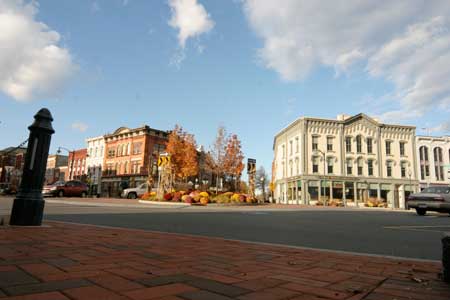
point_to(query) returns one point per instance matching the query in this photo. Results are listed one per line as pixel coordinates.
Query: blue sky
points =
(251, 66)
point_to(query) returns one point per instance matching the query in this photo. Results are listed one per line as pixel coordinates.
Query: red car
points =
(73, 188)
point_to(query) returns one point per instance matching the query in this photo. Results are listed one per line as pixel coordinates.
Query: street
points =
(390, 233)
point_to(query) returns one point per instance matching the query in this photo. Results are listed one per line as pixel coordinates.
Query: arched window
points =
(438, 163)
(125, 168)
(358, 144)
(424, 162)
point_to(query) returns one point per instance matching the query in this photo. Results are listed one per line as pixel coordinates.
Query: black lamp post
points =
(28, 207)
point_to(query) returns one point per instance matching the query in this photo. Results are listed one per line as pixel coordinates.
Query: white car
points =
(133, 193)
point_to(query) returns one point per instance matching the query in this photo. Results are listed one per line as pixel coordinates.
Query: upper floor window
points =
(370, 167)
(296, 145)
(290, 148)
(315, 142)
(291, 169)
(389, 168)
(348, 144)
(358, 144)
(297, 166)
(424, 162)
(315, 166)
(438, 164)
(403, 169)
(349, 166)
(329, 143)
(360, 166)
(283, 151)
(369, 145)
(388, 147)
(137, 148)
(159, 148)
(330, 165)
(402, 148)
(111, 152)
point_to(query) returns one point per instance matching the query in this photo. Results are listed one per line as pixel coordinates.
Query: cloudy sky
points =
(250, 65)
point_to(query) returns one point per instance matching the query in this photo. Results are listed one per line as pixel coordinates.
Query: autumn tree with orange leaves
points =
(182, 149)
(233, 161)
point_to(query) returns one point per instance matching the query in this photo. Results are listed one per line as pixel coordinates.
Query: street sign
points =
(251, 165)
(163, 160)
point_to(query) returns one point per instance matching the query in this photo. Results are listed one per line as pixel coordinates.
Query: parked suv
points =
(73, 188)
(133, 193)
(433, 198)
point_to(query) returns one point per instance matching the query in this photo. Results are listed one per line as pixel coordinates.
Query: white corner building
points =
(350, 160)
(94, 161)
(433, 161)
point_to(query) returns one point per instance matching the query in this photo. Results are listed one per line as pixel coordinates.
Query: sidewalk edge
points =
(259, 243)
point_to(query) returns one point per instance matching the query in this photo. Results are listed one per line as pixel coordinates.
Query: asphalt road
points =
(375, 232)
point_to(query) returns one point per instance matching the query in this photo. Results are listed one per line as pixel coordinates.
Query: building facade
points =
(94, 162)
(12, 160)
(77, 165)
(53, 171)
(433, 160)
(130, 154)
(348, 160)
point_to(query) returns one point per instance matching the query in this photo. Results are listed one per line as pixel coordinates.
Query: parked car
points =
(73, 188)
(133, 193)
(433, 198)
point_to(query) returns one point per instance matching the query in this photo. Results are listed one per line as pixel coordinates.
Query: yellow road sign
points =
(163, 160)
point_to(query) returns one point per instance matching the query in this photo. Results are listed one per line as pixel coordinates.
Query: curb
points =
(178, 204)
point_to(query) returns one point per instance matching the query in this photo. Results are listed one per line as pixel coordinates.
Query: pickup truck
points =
(133, 193)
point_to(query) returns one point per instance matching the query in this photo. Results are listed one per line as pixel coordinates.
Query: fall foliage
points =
(234, 157)
(182, 150)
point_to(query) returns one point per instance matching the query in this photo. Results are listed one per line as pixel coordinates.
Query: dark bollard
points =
(28, 207)
(446, 257)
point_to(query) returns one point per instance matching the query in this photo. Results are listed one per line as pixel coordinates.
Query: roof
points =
(345, 122)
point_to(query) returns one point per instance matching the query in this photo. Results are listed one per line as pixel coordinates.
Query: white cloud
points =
(443, 128)
(32, 65)
(79, 126)
(190, 19)
(405, 42)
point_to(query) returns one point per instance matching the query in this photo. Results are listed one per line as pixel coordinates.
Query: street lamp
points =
(324, 173)
(72, 161)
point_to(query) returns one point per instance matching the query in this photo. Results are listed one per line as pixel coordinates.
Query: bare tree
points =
(217, 154)
(262, 180)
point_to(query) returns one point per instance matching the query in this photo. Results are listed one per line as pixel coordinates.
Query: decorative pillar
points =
(378, 191)
(28, 207)
(355, 194)
(331, 191)
(320, 189)
(344, 199)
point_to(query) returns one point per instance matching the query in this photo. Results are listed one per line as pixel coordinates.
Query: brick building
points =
(12, 160)
(128, 155)
(53, 171)
(77, 165)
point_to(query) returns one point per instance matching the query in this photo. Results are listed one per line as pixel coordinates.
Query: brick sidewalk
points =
(65, 261)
